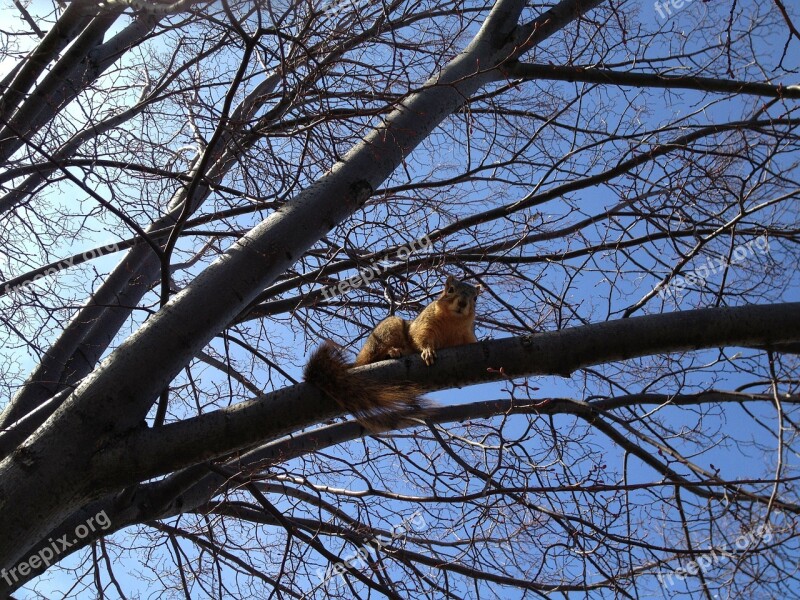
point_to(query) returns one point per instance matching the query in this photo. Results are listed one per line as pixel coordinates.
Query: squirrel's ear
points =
(450, 281)
(478, 289)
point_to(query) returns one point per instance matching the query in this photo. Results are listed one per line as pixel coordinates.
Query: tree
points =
(623, 184)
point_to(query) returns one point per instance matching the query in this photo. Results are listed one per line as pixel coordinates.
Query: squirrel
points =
(447, 321)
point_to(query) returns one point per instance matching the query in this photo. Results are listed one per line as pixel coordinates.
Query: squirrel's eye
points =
(451, 290)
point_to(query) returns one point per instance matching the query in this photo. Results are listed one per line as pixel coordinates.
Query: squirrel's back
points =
(389, 339)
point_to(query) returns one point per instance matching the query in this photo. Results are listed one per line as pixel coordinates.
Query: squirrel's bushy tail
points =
(377, 406)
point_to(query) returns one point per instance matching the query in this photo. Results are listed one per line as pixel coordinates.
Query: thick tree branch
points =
(152, 452)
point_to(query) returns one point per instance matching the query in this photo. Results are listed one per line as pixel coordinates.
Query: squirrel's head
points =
(459, 297)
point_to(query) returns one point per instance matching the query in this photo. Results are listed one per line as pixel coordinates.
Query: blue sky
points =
(592, 290)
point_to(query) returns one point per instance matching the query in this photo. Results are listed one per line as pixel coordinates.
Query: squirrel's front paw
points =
(394, 353)
(429, 356)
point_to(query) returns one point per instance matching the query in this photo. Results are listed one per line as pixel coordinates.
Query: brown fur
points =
(389, 339)
(447, 321)
(377, 406)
